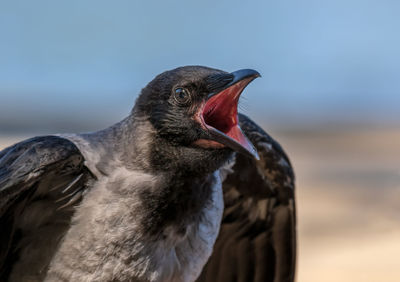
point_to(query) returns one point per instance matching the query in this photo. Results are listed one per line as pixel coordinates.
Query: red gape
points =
(220, 112)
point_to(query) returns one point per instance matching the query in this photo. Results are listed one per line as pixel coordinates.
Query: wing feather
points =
(38, 177)
(257, 240)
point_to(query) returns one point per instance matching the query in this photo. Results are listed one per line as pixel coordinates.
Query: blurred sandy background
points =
(348, 191)
(329, 92)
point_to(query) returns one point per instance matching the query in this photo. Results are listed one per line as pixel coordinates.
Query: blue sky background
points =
(68, 65)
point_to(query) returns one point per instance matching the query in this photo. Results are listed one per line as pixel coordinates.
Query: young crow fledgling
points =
(184, 188)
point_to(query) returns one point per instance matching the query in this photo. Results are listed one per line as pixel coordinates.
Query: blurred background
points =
(330, 93)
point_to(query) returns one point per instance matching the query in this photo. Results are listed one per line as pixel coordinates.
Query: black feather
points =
(257, 240)
(23, 167)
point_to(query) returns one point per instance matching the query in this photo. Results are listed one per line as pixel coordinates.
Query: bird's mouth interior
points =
(220, 117)
(220, 111)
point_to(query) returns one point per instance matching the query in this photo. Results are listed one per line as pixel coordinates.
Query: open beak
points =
(220, 114)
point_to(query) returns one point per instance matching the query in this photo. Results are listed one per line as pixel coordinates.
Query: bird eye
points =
(182, 96)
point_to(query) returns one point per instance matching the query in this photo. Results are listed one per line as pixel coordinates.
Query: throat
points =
(179, 203)
(197, 159)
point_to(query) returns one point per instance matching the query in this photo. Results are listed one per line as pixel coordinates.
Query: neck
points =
(185, 176)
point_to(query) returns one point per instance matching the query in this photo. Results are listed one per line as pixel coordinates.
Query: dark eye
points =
(182, 96)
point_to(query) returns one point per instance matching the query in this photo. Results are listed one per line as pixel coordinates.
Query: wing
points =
(257, 239)
(40, 181)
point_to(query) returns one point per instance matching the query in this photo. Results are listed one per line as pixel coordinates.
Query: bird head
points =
(195, 108)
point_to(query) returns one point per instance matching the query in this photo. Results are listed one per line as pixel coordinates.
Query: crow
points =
(183, 189)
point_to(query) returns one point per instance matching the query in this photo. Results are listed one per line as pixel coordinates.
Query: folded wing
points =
(41, 179)
(257, 240)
